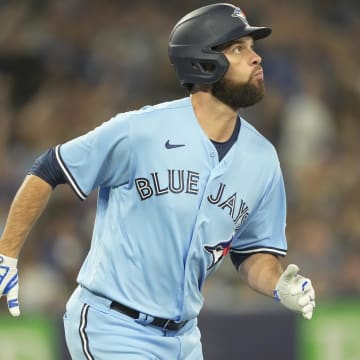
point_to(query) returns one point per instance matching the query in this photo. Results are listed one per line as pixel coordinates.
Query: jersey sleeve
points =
(264, 230)
(98, 158)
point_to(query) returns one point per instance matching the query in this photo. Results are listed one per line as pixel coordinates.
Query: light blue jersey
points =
(168, 211)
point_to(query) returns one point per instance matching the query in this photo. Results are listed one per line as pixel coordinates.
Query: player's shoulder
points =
(177, 104)
(153, 115)
(157, 110)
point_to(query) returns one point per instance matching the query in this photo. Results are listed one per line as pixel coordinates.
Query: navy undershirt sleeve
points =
(47, 168)
(238, 259)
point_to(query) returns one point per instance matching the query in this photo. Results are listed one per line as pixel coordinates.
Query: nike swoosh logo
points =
(172, 146)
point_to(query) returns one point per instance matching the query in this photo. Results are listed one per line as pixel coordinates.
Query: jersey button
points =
(212, 154)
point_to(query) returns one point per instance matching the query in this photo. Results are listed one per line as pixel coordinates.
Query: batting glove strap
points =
(9, 283)
(295, 292)
(276, 295)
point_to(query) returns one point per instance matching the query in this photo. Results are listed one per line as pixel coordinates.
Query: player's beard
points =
(238, 95)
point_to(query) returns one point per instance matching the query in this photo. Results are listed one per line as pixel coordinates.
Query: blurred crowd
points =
(67, 66)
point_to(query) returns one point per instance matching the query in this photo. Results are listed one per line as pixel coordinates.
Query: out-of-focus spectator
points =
(307, 132)
(5, 116)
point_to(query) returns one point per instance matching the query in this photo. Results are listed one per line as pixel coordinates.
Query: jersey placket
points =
(193, 246)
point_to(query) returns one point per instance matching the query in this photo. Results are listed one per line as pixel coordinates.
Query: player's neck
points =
(215, 118)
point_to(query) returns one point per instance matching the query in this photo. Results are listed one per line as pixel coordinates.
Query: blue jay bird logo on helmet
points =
(238, 13)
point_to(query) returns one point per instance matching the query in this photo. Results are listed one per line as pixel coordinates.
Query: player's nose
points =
(255, 58)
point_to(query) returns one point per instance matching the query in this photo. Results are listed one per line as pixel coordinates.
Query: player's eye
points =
(237, 49)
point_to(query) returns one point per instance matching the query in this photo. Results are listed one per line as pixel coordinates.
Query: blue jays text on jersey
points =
(238, 210)
(168, 214)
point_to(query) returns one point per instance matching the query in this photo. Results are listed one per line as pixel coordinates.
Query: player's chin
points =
(259, 84)
(256, 81)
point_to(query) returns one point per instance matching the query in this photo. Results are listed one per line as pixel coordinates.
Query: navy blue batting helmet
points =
(194, 37)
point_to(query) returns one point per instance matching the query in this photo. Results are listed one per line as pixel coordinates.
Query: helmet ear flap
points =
(206, 67)
(202, 69)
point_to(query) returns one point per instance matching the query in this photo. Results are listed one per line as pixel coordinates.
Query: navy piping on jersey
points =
(252, 250)
(70, 180)
(82, 333)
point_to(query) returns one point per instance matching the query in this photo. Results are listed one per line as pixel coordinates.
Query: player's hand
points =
(9, 283)
(295, 292)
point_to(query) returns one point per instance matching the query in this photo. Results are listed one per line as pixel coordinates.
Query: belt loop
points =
(144, 319)
(166, 324)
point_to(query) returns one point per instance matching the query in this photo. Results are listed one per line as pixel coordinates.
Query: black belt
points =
(162, 323)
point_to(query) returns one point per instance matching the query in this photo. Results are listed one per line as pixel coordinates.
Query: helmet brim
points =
(257, 32)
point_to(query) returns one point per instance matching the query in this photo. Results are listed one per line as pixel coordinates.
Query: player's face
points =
(243, 83)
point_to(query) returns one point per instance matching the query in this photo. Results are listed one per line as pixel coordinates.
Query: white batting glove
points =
(9, 283)
(295, 292)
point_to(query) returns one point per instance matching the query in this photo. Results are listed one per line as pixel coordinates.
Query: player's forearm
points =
(261, 272)
(27, 206)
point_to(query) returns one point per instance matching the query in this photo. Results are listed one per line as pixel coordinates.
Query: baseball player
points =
(180, 185)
